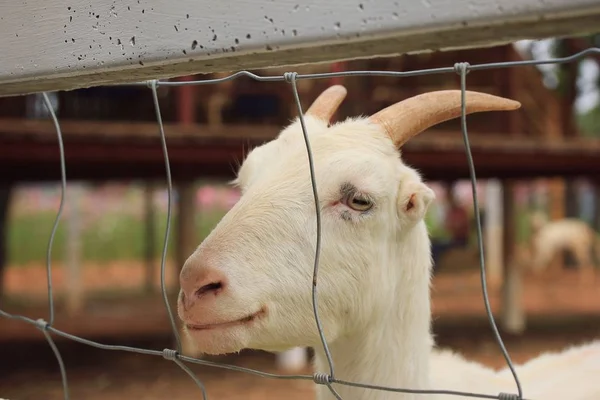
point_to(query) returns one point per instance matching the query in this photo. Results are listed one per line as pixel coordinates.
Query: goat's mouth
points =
(222, 325)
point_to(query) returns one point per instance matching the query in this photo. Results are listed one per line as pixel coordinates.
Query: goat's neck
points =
(393, 348)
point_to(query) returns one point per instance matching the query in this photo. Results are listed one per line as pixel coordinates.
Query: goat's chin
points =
(219, 341)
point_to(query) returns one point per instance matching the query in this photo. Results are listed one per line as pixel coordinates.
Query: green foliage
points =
(589, 122)
(117, 236)
(28, 237)
(523, 227)
(435, 226)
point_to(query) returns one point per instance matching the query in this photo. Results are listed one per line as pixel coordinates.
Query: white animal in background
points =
(248, 284)
(549, 238)
(292, 360)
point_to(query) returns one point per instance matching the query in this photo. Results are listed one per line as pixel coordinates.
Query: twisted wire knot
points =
(321, 378)
(508, 396)
(41, 324)
(152, 84)
(169, 354)
(461, 67)
(289, 77)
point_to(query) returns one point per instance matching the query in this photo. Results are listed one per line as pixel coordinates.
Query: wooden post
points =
(556, 208)
(513, 316)
(596, 220)
(556, 203)
(186, 242)
(74, 303)
(186, 102)
(186, 239)
(510, 89)
(552, 120)
(186, 228)
(571, 211)
(150, 237)
(5, 197)
(493, 232)
(512, 311)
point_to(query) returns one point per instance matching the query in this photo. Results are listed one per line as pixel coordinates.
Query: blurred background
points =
(540, 160)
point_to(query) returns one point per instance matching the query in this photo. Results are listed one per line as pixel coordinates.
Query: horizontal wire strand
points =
(345, 74)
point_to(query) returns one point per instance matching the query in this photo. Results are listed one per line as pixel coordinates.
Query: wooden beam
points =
(141, 131)
(125, 160)
(146, 133)
(63, 45)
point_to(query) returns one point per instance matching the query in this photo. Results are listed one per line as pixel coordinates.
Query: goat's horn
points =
(327, 103)
(411, 116)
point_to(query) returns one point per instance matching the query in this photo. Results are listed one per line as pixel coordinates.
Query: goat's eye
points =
(357, 202)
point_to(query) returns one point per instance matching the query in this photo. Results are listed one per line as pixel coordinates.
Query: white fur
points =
(374, 276)
(567, 374)
(551, 237)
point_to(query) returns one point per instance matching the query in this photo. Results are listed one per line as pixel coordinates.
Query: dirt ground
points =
(29, 370)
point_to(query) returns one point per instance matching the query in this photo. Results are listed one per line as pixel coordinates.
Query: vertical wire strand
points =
(291, 78)
(163, 288)
(61, 364)
(63, 189)
(463, 69)
(333, 391)
(193, 376)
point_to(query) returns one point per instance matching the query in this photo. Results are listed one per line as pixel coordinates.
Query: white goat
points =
(551, 237)
(248, 284)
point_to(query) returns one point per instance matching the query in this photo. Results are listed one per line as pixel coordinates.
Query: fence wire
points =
(320, 378)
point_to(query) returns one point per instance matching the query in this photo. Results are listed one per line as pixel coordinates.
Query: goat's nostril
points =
(211, 287)
(198, 281)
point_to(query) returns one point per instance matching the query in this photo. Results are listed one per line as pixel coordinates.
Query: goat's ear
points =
(414, 200)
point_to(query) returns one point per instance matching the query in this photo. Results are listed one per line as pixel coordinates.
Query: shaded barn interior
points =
(111, 132)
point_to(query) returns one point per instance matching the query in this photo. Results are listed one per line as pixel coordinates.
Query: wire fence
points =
(320, 378)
